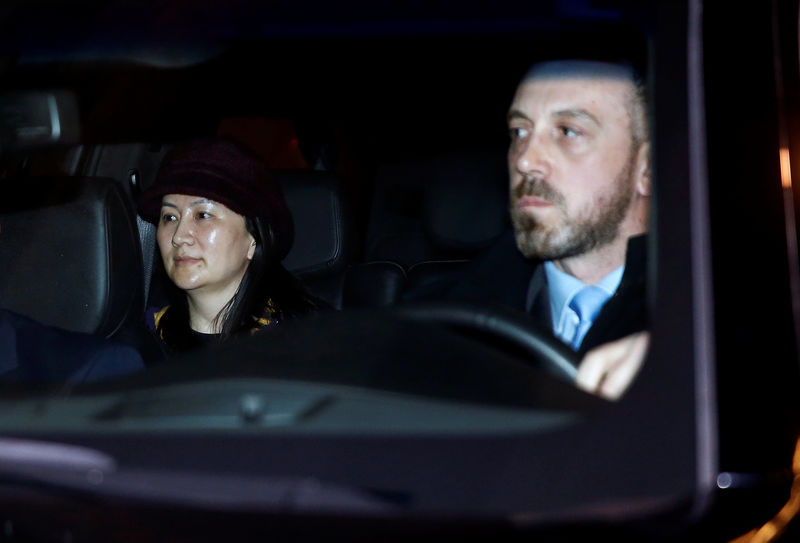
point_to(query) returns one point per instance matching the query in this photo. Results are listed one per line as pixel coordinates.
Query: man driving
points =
(580, 187)
(579, 173)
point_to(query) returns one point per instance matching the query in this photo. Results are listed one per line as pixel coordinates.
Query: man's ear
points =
(642, 170)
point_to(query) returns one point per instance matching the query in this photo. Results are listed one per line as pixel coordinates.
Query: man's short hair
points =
(637, 101)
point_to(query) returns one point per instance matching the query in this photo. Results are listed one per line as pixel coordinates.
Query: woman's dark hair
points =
(265, 282)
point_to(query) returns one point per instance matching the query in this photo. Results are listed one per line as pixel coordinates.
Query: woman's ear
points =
(251, 250)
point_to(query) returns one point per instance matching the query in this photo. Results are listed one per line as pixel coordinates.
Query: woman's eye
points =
(203, 215)
(517, 133)
(167, 217)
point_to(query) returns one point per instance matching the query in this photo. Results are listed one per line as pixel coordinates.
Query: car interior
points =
(368, 233)
(106, 268)
(390, 142)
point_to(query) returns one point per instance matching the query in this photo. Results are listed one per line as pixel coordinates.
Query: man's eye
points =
(569, 132)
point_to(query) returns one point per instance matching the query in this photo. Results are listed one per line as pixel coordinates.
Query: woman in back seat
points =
(223, 228)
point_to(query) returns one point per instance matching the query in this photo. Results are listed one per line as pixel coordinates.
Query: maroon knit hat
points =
(223, 171)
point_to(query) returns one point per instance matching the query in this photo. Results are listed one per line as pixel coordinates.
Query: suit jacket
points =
(503, 276)
(35, 353)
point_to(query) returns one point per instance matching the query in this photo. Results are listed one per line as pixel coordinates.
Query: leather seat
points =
(373, 284)
(441, 208)
(324, 231)
(465, 209)
(75, 262)
(326, 243)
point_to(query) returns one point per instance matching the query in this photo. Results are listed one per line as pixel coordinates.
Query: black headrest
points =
(74, 255)
(323, 227)
(466, 203)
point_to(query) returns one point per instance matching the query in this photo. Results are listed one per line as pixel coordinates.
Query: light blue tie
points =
(587, 304)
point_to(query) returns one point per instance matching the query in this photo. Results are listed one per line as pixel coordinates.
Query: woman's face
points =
(204, 245)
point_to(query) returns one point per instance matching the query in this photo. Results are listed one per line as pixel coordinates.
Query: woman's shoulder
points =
(153, 316)
(270, 316)
(273, 314)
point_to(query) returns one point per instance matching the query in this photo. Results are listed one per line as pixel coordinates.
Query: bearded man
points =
(579, 170)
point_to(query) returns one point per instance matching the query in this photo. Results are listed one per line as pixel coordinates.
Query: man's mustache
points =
(538, 188)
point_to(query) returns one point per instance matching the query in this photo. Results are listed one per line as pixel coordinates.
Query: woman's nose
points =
(184, 233)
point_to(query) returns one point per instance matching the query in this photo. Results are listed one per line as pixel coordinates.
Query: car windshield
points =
(405, 127)
(429, 192)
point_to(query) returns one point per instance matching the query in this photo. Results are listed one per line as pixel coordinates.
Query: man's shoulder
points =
(45, 353)
(108, 359)
(626, 312)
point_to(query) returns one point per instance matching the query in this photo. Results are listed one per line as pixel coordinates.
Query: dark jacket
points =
(32, 352)
(503, 276)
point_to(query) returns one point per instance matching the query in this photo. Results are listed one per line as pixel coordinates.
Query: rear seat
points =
(433, 216)
(373, 284)
(326, 245)
(466, 209)
(325, 233)
(429, 218)
(85, 278)
(442, 208)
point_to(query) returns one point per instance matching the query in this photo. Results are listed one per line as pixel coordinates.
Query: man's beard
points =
(571, 237)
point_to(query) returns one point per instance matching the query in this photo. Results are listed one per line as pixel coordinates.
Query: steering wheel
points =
(508, 325)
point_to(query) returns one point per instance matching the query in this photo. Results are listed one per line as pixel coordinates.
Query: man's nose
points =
(533, 157)
(184, 233)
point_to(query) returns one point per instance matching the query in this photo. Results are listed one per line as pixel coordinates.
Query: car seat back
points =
(373, 284)
(464, 210)
(324, 231)
(445, 207)
(72, 255)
